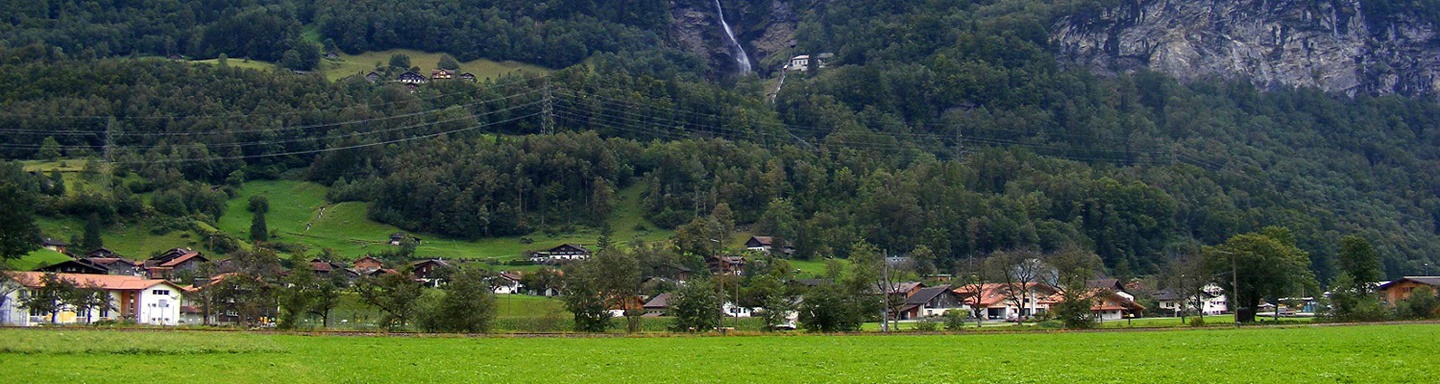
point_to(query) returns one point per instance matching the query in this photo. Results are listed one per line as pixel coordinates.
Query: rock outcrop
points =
(1330, 45)
(763, 32)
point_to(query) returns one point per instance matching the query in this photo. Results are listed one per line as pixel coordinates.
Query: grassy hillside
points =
(300, 214)
(38, 258)
(360, 64)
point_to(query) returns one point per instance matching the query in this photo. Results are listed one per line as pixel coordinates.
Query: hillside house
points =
(766, 244)
(442, 74)
(672, 272)
(803, 63)
(1398, 290)
(726, 265)
(398, 238)
(658, 305)
(145, 301)
(932, 301)
(506, 283)
(54, 245)
(372, 77)
(170, 264)
(367, 264)
(81, 266)
(467, 76)
(411, 78)
(560, 254)
(430, 271)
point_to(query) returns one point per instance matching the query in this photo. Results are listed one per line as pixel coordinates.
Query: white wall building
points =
(144, 301)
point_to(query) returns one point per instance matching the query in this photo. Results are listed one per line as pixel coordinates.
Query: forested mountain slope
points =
(951, 125)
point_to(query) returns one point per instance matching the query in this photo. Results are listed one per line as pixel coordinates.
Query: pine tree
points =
(93, 239)
(258, 231)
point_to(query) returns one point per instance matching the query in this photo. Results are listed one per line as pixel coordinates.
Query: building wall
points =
(1400, 291)
(158, 305)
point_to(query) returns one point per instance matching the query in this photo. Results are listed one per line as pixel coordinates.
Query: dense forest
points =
(949, 125)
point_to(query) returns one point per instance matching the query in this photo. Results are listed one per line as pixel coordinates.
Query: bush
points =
(955, 320)
(927, 325)
(1197, 321)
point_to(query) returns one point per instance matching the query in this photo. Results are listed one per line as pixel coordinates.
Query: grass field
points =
(363, 63)
(296, 214)
(1380, 353)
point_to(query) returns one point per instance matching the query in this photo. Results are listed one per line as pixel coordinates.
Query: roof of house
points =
(568, 245)
(903, 287)
(660, 301)
(74, 263)
(763, 240)
(182, 259)
(1105, 283)
(101, 252)
(108, 282)
(371, 258)
(512, 276)
(49, 242)
(1427, 280)
(996, 293)
(926, 294)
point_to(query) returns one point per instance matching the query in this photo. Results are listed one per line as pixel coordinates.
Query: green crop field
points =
(349, 65)
(1377, 353)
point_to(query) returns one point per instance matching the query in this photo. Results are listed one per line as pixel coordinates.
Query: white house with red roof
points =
(142, 300)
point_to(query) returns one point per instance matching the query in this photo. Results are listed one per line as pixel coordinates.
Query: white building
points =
(144, 301)
(1213, 302)
(506, 283)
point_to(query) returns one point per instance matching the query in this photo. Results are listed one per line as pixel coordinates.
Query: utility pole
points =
(547, 112)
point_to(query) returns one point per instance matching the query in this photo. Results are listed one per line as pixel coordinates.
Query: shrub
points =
(1197, 321)
(927, 325)
(955, 320)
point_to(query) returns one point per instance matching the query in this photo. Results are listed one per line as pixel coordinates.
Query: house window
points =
(161, 292)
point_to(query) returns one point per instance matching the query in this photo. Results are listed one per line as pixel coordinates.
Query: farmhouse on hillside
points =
(411, 78)
(506, 283)
(367, 264)
(560, 254)
(54, 245)
(145, 301)
(167, 265)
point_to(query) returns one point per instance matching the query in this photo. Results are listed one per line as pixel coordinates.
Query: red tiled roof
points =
(182, 259)
(109, 282)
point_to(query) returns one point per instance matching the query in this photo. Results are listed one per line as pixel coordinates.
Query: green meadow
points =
(1344, 354)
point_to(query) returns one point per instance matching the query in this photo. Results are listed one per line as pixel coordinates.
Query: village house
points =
(1393, 292)
(1008, 302)
(82, 266)
(932, 301)
(803, 63)
(411, 78)
(726, 265)
(1108, 304)
(766, 244)
(372, 77)
(430, 271)
(367, 264)
(506, 283)
(398, 238)
(467, 76)
(145, 301)
(560, 254)
(1212, 301)
(442, 74)
(54, 245)
(658, 305)
(170, 264)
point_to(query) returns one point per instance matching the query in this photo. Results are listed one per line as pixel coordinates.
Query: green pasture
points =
(360, 64)
(1376, 353)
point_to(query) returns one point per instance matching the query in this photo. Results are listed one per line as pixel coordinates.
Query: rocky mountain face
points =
(763, 30)
(1332, 45)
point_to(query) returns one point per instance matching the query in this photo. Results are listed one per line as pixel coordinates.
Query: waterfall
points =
(740, 57)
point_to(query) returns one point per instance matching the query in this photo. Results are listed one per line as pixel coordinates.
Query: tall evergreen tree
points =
(18, 233)
(258, 229)
(94, 238)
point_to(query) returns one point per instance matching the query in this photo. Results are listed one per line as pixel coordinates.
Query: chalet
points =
(119, 265)
(1009, 301)
(442, 74)
(54, 245)
(1393, 292)
(799, 63)
(506, 283)
(767, 245)
(903, 289)
(671, 272)
(658, 305)
(467, 76)
(144, 301)
(367, 264)
(733, 311)
(1110, 284)
(328, 269)
(1111, 305)
(372, 77)
(430, 271)
(166, 265)
(726, 265)
(332, 56)
(1212, 301)
(626, 304)
(559, 254)
(932, 301)
(398, 238)
(102, 252)
(76, 266)
(411, 78)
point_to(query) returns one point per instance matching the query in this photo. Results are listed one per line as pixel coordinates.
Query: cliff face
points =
(1276, 43)
(763, 32)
